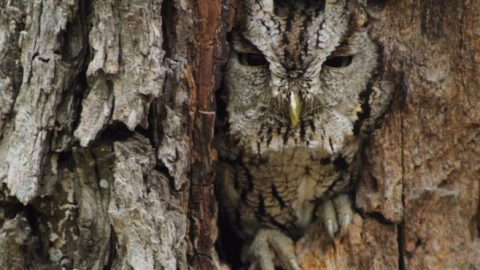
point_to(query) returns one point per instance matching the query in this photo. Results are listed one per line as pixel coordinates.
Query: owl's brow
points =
(341, 49)
(242, 44)
(344, 48)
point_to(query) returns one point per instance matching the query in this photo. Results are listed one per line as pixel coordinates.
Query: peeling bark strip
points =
(46, 77)
(126, 72)
(210, 55)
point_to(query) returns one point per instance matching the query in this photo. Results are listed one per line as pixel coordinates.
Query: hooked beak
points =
(295, 108)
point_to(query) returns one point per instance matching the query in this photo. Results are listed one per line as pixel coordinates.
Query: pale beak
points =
(295, 108)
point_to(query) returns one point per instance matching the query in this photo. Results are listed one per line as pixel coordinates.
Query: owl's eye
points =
(252, 59)
(338, 61)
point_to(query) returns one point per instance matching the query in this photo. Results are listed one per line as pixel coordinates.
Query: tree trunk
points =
(107, 113)
(418, 198)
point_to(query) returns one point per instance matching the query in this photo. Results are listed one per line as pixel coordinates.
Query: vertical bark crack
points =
(401, 226)
(401, 245)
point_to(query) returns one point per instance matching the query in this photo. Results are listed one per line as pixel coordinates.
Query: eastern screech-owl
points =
(300, 100)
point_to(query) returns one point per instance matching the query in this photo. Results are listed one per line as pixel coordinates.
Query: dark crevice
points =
(10, 206)
(160, 167)
(113, 250)
(401, 245)
(325, 161)
(478, 219)
(73, 40)
(377, 216)
(229, 244)
(32, 216)
(221, 100)
(340, 163)
(154, 124)
(169, 21)
(146, 132)
(221, 112)
(117, 131)
(66, 161)
(67, 115)
(79, 94)
(152, 133)
(81, 83)
(401, 227)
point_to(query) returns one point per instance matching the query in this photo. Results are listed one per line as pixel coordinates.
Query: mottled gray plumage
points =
(277, 169)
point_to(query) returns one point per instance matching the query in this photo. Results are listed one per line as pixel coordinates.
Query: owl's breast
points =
(281, 189)
(294, 178)
(278, 174)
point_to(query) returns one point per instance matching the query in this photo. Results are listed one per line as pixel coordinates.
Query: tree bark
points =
(418, 198)
(107, 113)
(106, 123)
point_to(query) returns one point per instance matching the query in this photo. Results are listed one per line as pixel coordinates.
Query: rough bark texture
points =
(107, 112)
(418, 198)
(106, 120)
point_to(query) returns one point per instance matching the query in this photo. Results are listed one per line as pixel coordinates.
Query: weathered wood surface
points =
(107, 112)
(106, 121)
(419, 194)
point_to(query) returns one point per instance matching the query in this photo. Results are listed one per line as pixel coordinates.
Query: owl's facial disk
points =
(290, 90)
(297, 67)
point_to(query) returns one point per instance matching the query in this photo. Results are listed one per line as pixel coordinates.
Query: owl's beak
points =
(295, 109)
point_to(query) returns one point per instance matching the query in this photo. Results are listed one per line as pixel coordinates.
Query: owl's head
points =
(298, 67)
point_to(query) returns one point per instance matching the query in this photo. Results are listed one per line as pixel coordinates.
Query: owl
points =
(300, 99)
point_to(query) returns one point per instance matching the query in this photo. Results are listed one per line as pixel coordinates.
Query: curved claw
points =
(270, 246)
(293, 263)
(329, 218)
(343, 206)
(266, 263)
(336, 214)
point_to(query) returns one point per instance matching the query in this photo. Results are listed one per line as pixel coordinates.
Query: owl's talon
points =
(294, 264)
(345, 221)
(336, 214)
(329, 218)
(270, 247)
(330, 229)
(343, 206)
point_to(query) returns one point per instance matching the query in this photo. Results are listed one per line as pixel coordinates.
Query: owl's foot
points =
(336, 214)
(272, 248)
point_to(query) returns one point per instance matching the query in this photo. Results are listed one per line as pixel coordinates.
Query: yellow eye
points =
(252, 59)
(338, 61)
